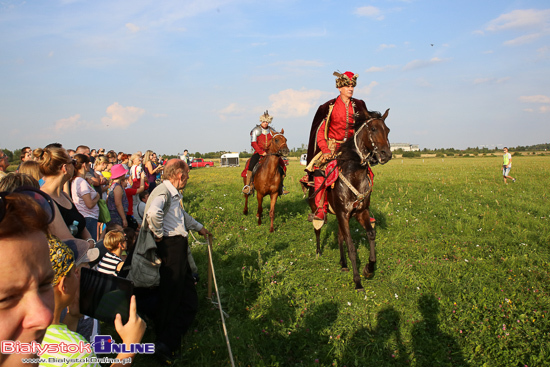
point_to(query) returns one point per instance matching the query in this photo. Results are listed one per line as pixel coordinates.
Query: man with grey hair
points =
(169, 224)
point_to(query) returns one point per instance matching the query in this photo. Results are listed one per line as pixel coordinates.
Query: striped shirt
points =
(109, 263)
(56, 334)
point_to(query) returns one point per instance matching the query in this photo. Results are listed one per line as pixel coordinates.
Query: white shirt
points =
(176, 222)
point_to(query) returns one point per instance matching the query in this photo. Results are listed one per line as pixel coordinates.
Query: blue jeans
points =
(91, 226)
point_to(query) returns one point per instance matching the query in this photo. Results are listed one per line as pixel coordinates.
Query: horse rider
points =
(332, 125)
(260, 137)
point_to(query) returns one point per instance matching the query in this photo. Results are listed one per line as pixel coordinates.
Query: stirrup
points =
(249, 190)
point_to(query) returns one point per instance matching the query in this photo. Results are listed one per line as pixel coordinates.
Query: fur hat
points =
(346, 79)
(266, 117)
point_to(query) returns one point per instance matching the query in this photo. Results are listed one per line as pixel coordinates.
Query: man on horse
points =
(332, 125)
(260, 137)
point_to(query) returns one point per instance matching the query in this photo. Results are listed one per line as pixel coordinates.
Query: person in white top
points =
(507, 165)
(84, 196)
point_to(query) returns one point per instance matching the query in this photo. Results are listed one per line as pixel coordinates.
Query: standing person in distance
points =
(507, 165)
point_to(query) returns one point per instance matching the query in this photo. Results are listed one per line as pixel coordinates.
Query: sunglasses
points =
(43, 199)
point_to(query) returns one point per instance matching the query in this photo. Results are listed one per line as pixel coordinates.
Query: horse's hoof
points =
(345, 269)
(359, 290)
(368, 275)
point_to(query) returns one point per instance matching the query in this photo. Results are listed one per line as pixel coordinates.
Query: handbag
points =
(104, 216)
(144, 271)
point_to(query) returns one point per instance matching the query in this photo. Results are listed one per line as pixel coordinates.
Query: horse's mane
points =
(347, 153)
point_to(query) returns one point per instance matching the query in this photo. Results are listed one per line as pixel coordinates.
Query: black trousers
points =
(178, 301)
(253, 161)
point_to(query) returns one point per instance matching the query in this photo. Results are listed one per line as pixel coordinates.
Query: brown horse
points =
(267, 179)
(350, 196)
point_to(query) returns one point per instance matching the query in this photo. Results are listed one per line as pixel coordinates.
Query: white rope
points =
(209, 245)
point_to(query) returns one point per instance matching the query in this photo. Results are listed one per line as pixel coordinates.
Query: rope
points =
(209, 242)
(217, 304)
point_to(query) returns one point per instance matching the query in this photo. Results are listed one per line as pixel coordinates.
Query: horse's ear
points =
(282, 131)
(385, 114)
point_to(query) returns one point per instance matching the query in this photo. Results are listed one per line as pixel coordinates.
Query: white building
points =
(405, 146)
(229, 160)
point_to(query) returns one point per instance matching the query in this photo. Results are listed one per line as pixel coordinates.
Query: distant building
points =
(405, 146)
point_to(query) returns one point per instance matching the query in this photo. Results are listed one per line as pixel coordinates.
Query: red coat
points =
(261, 143)
(338, 128)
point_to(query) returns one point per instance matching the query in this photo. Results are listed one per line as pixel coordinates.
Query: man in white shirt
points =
(169, 224)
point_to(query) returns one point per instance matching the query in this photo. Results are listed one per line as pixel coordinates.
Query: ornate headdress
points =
(266, 117)
(346, 79)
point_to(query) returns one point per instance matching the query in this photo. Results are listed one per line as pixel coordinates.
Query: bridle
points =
(271, 142)
(374, 152)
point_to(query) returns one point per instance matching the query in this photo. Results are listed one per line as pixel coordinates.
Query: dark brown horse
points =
(350, 196)
(267, 179)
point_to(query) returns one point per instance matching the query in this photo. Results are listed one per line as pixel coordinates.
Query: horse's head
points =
(277, 145)
(371, 137)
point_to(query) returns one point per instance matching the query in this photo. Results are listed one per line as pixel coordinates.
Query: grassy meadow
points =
(462, 276)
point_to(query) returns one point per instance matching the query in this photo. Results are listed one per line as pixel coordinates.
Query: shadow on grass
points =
(431, 346)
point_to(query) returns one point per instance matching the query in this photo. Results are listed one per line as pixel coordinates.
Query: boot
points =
(247, 189)
(320, 199)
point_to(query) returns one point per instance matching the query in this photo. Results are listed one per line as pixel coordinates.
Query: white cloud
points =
(491, 80)
(523, 39)
(417, 64)
(132, 27)
(70, 123)
(544, 109)
(539, 98)
(366, 90)
(298, 63)
(50, 54)
(377, 69)
(295, 103)
(384, 46)
(369, 11)
(121, 117)
(231, 110)
(521, 19)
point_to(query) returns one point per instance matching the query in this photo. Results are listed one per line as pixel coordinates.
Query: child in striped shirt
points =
(111, 262)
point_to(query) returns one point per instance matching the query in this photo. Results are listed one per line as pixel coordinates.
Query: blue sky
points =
(171, 75)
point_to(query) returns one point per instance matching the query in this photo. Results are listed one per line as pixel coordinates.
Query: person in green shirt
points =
(507, 165)
(66, 287)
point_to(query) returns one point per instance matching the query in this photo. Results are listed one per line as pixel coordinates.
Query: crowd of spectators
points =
(55, 194)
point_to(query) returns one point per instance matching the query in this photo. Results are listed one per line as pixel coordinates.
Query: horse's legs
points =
(343, 227)
(260, 209)
(318, 241)
(364, 219)
(343, 260)
(272, 209)
(245, 211)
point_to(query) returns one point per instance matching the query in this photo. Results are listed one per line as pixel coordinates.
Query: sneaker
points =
(513, 180)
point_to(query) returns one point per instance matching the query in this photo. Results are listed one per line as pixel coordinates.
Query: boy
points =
(115, 243)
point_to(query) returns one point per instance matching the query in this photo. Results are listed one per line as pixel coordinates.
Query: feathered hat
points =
(266, 117)
(346, 79)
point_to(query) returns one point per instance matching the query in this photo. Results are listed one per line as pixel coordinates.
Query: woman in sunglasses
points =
(58, 168)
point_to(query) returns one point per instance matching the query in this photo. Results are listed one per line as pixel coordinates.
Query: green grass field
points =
(461, 280)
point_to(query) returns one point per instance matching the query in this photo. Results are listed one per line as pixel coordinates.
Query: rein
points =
(373, 152)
